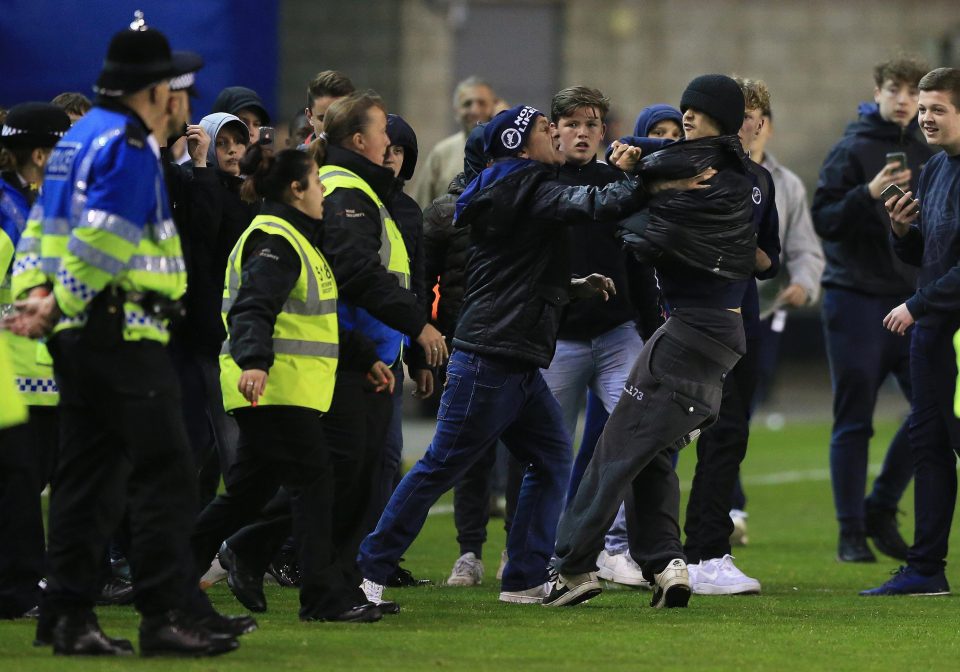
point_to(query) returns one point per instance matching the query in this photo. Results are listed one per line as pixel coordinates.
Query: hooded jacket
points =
(707, 229)
(518, 271)
(855, 228)
(211, 217)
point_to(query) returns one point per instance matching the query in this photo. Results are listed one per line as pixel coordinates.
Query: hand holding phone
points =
(902, 208)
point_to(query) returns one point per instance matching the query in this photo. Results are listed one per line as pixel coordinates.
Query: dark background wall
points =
(51, 46)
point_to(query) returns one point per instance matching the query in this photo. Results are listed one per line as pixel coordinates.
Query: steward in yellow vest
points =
(278, 368)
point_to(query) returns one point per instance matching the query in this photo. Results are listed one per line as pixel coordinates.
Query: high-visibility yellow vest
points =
(305, 336)
(956, 396)
(13, 410)
(393, 251)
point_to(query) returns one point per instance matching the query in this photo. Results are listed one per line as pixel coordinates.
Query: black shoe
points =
(173, 633)
(402, 578)
(285, 570)
(362, 613)
(387, 607)
(230, 626)
(852, 547)
(246, 585)
(115, 591)
(882, 526)
(80, 635)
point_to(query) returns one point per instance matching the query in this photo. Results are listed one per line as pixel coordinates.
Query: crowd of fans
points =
(228, 302)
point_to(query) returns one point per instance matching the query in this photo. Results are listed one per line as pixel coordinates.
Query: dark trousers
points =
(384, 434)
(935, 440)
(212, 433)
(674, 387)
(122, 444)
(284, 445)
(720, 450)
(471, 503)
(28, 455)
(485, 398)
(862, 354)
(353, 430)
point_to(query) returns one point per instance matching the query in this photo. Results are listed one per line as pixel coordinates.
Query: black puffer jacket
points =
(519, 268)
(445, 255)
(710, 229)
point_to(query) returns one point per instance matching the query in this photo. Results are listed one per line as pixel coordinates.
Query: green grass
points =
(809, 616)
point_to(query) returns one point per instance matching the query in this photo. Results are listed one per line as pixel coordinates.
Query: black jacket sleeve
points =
(909, 248)
(269, 273)
(644, 292)
(567, 204)
(436, 241)
(357, 352)
(351, 243)
(205, 200)
(842, 200)
(415, 356)
(768, 235)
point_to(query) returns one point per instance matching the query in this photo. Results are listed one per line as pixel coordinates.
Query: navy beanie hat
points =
(717, 96)
(474, 160)
(653, 115)
(507, 133)
(401, 133)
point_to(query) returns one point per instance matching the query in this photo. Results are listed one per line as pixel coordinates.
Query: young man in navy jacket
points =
(929, 237)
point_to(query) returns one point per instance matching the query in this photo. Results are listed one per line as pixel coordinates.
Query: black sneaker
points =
(230, 626)
(567, 590)
(881, 527)
(245, 583)
(402, 578)
(116, 591)
(285, 570)
(852, 547)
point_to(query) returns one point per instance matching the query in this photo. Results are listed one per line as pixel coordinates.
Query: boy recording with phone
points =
(862, 282)
(928, 236)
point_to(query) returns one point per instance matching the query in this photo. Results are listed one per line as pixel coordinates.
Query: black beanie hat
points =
(233, 99)
(31, 125)
(717, 96)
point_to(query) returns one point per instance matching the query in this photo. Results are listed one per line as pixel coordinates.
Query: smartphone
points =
(266, 135)
(895, 190)
(899, 158)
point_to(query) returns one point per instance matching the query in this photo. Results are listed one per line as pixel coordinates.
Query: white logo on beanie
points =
(511, 138)
(756, 195)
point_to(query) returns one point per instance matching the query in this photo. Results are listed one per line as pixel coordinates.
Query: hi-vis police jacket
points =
(32, 366)
(103, 219)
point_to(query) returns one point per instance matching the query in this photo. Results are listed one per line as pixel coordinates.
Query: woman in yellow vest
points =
(277, 372)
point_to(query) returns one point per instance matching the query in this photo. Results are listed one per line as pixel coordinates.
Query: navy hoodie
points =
(855, 227)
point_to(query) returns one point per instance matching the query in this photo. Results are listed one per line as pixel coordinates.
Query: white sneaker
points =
(620, 568)
(373, 591)
(739, 535)
(533, 595)
(719, 576)
(214, 575)
(467, 571)
(671, 586)
(503, 565)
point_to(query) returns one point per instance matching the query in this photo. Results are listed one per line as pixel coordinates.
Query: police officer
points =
(27, 452)
(109, 263)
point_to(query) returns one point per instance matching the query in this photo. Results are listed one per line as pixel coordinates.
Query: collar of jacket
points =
(308, 226)
(380, 179)
(116, 106)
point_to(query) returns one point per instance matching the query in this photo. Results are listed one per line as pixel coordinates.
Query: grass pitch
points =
(808, 618)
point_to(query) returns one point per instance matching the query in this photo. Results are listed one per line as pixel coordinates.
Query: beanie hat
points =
(32, 125)
(474, 160)
(401, 133)
(717, 96)
(507, 133)
(140, 57)
(233, 99)
(653, 115)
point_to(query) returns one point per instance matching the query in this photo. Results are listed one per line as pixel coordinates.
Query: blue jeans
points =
(934, 434)
(862, 353)
(484, 399)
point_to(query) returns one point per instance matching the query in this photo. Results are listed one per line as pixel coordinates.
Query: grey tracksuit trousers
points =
(675, 387)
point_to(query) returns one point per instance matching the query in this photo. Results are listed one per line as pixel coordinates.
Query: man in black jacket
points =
(704, 248)
(518, 280)
(862, 282)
